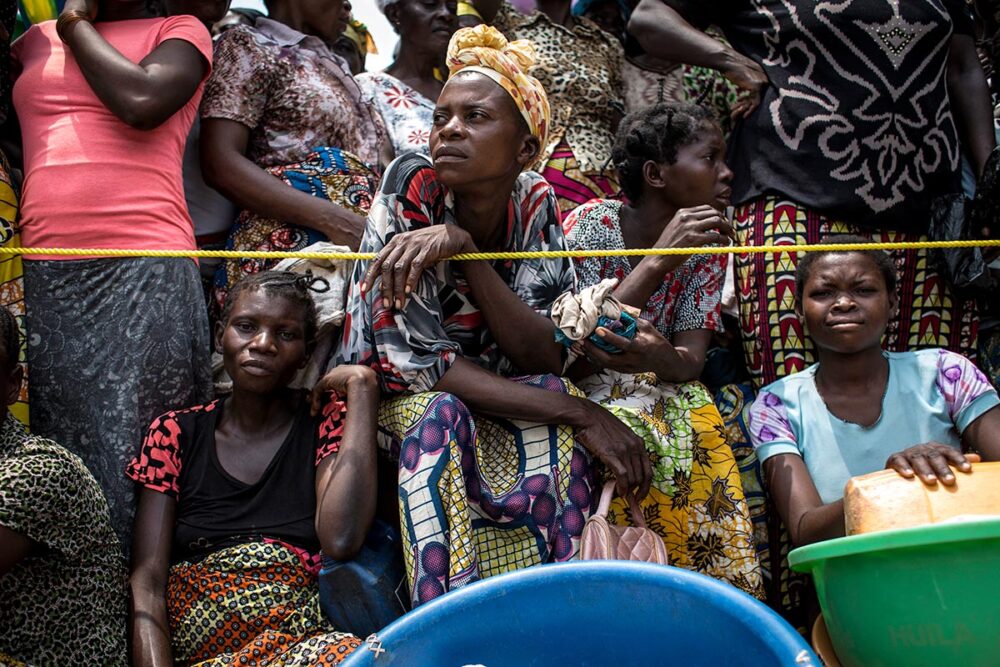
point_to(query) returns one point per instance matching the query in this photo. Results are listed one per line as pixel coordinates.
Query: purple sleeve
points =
(967, 393)
(770, 430)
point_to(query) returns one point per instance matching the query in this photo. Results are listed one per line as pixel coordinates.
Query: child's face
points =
(845, 303)
(700, 175)
(263, 342)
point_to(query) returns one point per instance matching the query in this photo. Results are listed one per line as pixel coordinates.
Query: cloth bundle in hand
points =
(577, 316)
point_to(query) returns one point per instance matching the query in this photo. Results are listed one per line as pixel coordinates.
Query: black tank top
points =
(215, 510)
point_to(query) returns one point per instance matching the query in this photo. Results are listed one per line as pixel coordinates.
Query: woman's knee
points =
(444, 419)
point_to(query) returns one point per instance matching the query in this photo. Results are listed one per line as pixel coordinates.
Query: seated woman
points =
(494, 473)
(62, 598)
(859, 408)
(239, 495)
(669, 159)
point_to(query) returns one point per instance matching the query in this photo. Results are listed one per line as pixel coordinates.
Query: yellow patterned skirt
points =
(479, 496)
(696, 502)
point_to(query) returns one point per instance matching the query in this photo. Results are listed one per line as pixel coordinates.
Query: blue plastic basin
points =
(599, 613)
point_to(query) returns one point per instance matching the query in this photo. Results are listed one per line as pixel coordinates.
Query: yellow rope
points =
(710, 250)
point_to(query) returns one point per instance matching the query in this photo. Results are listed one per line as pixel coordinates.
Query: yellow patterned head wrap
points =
(485, 50)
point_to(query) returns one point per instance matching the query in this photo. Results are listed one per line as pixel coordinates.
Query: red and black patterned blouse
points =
(214, 509)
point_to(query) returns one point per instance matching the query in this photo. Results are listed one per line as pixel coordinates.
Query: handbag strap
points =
(608, 493)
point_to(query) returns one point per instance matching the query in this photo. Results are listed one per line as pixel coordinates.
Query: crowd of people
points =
(188, 446)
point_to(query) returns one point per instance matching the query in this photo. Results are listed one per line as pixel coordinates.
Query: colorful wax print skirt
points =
(773, 337)
(572, 185)
(789, 593)
(251, 604)
(328, 173)
(482, 496)
(696, 502)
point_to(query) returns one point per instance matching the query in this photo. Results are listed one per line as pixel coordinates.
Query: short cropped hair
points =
(879, 257)
(295, 287)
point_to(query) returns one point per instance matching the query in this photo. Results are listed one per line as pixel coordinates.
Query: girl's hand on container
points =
(931, 462)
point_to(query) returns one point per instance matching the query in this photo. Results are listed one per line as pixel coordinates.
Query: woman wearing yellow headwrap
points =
(495, 474)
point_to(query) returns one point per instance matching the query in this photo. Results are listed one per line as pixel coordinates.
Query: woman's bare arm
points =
(227, 169)
(970, 100)
(143, 95)
(798, 503)
(346, 482)
(151, 544)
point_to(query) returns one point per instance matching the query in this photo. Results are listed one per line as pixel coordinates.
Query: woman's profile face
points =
(845, 303)
(699, 175)
(478, 133)
(428, 24)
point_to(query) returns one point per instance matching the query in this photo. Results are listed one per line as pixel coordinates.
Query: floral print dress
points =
(309, 126)
(407, 114)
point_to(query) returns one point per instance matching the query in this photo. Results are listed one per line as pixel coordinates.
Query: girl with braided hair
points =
(669, 159)
(239, 496)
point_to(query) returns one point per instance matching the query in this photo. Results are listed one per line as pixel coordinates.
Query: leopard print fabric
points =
(581, 70)
(65, 603)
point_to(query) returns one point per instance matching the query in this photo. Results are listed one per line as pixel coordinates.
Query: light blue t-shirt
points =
(932, 396)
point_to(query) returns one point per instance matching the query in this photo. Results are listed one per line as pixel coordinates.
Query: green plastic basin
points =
(917, 596)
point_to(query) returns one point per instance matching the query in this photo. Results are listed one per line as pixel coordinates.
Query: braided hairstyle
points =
(11, 339)
(294, 287)
(654, 134)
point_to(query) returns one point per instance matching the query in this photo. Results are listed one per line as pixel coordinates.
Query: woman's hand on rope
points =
(617, 447)
(409, 254)
(931, 462)
(638, 355)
